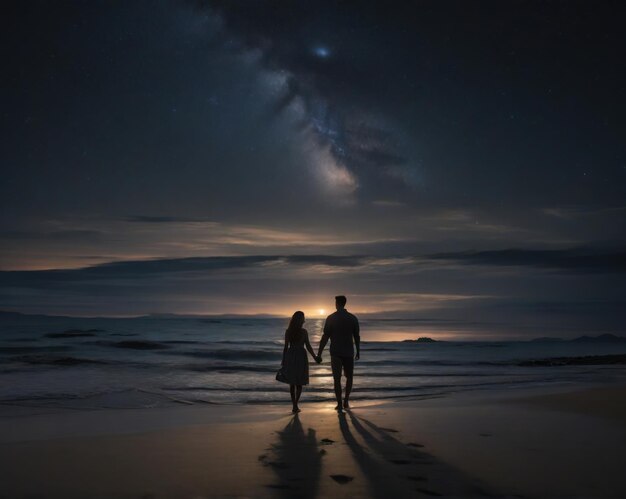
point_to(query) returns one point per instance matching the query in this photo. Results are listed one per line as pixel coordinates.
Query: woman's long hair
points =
(295, 324)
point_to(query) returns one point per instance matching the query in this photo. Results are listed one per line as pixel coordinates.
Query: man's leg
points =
(346, 401)
(335, 363)
(348, 369)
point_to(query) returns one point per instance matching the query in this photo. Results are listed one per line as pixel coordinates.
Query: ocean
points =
(92, 363)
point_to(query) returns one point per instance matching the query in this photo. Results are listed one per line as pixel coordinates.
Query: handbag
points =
(280, 376)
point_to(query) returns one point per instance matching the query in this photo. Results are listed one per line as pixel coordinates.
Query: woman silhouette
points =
(295, 366)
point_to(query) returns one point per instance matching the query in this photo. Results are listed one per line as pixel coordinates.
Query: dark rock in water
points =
(342, 479)
(74, 333)
(588, 360)
(138, 345)
(423, 339)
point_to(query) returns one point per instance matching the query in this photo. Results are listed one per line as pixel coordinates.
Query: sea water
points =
(158, 361)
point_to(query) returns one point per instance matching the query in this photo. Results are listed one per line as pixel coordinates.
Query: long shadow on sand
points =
(396, 469)
(296, 460)
(369, 466)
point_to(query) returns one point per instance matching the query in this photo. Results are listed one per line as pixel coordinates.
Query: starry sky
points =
(441, 160)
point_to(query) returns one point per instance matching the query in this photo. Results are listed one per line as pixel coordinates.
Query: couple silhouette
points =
(342, 329)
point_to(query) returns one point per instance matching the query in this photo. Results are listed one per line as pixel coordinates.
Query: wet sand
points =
(521, 444)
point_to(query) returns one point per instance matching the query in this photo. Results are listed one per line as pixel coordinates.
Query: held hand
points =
(318, 359)
(357, 356)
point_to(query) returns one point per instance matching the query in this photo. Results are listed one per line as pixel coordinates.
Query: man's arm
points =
(323, 342)
(356, 333)
(324, 339)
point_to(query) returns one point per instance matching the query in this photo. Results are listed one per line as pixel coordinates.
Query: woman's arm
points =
(285, 349)
(308, 346)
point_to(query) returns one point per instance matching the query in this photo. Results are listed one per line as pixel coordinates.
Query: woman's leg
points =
(292, 392)
(298, 393)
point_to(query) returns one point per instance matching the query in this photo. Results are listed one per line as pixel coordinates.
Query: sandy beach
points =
(517, 444)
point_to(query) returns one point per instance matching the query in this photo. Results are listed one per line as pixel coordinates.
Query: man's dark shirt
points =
(341, 327)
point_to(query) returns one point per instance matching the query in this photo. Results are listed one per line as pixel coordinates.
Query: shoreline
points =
(60, 421)
(533, 443)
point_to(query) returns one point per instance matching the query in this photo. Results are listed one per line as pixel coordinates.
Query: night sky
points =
(450, 161)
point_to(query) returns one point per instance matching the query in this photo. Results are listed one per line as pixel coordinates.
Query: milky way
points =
(356, 142)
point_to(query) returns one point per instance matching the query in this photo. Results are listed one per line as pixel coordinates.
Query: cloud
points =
(55, 235)
(574, 212)
(451, 286)
(248, 284)
(584, 260)
(188, 267)
(314, 267)
(164, 219)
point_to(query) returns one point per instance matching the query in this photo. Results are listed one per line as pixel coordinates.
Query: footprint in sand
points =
(342, 479)
(327, 441)
(322, 452)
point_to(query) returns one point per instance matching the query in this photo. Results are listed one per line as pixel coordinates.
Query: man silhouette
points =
(341, 328)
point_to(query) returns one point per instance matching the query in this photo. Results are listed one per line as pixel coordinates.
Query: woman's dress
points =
(296, 364)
